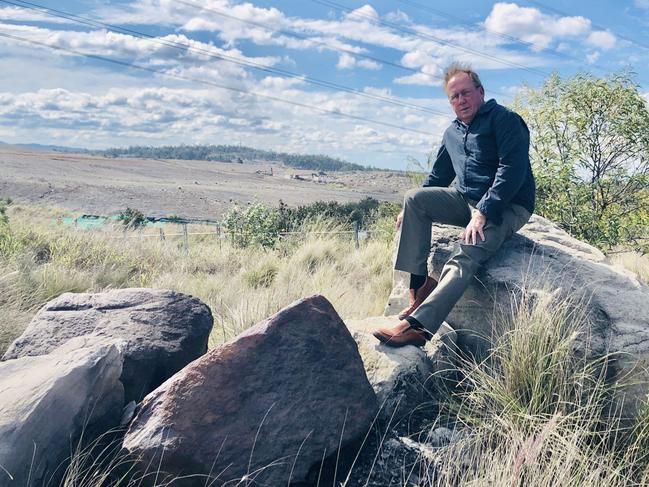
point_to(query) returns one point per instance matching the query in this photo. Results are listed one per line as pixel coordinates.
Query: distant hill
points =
(55, 148)
(234, 153)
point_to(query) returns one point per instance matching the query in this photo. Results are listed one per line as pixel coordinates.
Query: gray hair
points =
(457, 68)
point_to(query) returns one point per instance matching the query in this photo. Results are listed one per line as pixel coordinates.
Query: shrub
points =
(3, 210)
(256, 225)
(132, 218)
(261, 276)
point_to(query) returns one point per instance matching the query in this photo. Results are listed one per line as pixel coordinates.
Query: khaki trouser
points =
(421, 208)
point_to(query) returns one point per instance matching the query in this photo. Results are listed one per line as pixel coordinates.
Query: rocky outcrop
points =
(543, 258)
(267, 406)
(157, 331)
(405, 377)
(48, 401)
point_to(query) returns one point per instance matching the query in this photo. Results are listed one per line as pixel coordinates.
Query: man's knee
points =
(423, 197)
(470, 257)
(411, 196)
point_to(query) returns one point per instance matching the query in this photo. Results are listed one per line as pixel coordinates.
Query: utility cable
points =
(297, 36)
(307, 38)
(214, 84)
(426, 36)
(224, 57)
(557, 11)
(502, 35)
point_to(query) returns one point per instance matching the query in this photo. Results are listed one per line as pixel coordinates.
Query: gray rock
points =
(158, 331)
(404, 377)
(268, 405)
(46, 402)
(543, 257)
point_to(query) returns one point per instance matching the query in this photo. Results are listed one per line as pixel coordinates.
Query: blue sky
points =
(273, 74)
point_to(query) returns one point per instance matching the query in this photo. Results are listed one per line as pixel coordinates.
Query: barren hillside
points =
(192, 189)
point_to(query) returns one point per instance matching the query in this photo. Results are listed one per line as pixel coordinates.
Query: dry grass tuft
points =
(40, 260)
(634, 262)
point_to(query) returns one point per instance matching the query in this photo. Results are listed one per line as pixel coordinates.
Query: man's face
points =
(465, 98)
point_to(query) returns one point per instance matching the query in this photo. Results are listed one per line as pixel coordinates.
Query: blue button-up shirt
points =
(489, 159)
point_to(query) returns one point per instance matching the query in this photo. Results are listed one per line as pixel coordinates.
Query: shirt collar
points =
(484, 108)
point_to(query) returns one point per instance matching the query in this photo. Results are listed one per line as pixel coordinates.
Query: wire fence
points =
(220, 234)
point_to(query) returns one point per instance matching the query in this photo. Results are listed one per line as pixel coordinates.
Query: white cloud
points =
(153, 115)
(418, 79)
(602, 39)
(366, 12)
(16, 14)
(533, 26)
(644, 4)
(397, 17)
(347, 34)
(592, 57)
(172, 53)
(346, 61)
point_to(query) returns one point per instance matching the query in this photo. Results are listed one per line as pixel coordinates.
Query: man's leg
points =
(422, 207)
(459, 270)
(454, 279)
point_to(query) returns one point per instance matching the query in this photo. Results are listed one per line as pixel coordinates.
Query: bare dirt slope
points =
(191, 189)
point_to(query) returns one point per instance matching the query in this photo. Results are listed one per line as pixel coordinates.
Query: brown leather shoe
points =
(401, 335)
(417, 296)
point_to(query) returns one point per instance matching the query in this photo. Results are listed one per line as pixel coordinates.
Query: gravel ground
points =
(191, 189)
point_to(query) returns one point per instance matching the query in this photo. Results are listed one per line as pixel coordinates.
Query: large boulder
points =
(270, 404)
(403, 378)
(46, 404)
(158, 331)
(542, 258)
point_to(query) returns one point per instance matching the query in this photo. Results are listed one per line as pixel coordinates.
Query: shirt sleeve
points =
(513, 144)
(442, 173)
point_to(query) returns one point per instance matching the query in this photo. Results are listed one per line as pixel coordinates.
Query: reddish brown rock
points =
(267, 404)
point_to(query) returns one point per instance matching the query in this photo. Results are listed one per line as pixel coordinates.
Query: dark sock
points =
(414, 323)
(416, 281)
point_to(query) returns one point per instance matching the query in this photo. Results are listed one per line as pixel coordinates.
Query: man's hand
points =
(474, 228)
(397, 223)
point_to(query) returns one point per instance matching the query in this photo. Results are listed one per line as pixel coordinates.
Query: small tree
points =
(258, 224)
(590, 154)
(132, 218)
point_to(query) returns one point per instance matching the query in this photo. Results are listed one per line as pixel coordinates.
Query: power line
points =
(214, 84)
(297, 36)
(223, 57)
(557, 11)
(502, 35)
(424, 35)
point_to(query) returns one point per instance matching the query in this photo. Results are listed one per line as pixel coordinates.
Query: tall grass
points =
(538, 410)
(40, 260)
(634, 262)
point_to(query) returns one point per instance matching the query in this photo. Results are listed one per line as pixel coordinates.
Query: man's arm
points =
(513, 142)
(442, 173)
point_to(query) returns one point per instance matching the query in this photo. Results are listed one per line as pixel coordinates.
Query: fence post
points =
(185, 239)
(218, 234)
(356, 234)
(162, 235)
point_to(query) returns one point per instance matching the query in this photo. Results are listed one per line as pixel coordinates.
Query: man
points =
(486, 151)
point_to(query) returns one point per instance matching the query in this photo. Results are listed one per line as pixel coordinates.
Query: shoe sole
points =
(387, 340)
